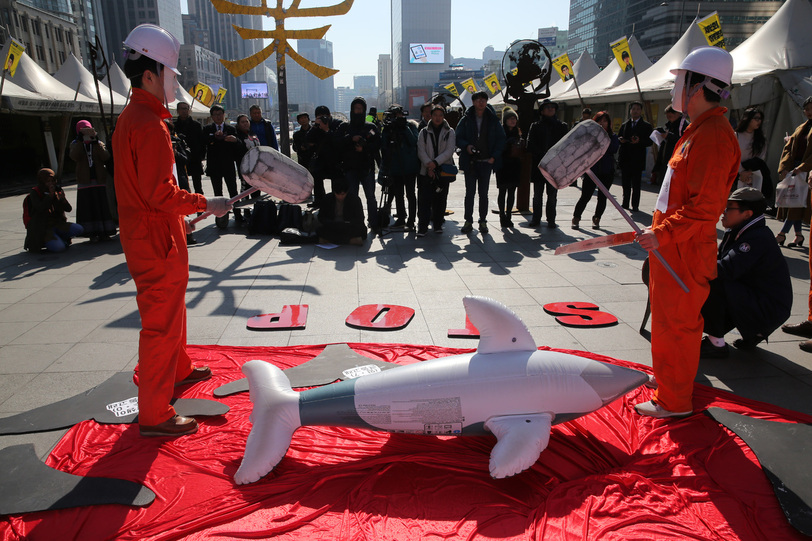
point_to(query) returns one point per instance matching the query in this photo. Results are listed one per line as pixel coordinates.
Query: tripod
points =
(384, 207)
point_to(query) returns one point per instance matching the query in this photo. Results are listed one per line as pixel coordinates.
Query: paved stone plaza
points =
(68, 322)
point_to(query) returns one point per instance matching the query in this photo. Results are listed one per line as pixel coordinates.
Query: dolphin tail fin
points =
(274, 420)
(520, 441)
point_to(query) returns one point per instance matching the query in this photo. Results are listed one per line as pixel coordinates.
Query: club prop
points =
(573, 156)
(267, 169)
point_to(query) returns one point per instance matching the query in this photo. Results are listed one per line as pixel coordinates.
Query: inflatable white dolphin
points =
(507, 388)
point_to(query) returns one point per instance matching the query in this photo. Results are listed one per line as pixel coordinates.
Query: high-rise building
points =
(46, 28)
(344, 96)
(555, 40)
(364, 86)
(385, 97)
(215, 31)
(122, 16)
(657, 25)
(305, 89)
(89, 20)
(199, 65)
(421, 47)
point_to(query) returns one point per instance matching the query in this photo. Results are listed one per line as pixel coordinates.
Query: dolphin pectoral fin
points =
(520, 441)
(274, 419)
(500, 330)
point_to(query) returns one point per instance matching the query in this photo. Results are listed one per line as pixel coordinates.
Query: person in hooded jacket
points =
(361, 145)
(543, 134)
(400, 165)
(436, 144)
(92, 209)
(481, 138)
(327, 139)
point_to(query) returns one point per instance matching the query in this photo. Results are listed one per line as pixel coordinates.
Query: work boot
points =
(799, 329)
(483, 226)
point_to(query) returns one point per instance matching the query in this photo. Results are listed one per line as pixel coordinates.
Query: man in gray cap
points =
(752, 291)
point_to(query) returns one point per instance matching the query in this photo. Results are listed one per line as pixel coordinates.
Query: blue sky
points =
(361, 35)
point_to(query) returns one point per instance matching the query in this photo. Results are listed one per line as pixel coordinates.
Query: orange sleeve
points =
(711, 166)
(155, 179)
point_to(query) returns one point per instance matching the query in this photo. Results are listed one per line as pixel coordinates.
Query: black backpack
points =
(263, 219)
(289, 216)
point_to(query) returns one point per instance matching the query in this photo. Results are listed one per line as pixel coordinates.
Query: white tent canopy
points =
(657, 81)
(584, 69)
(783, 43)
(73, 74)
(611, 76)
(56, 96)
(116, 78)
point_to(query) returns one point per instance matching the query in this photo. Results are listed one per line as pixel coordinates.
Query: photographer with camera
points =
(481, 138)
(363, 143)
(436, 144)
(92, 210)
(44, 216)
(399, 163)
(327, 137)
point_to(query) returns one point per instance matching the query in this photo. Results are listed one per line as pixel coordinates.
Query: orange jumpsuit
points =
(151, 211)
(703, 167)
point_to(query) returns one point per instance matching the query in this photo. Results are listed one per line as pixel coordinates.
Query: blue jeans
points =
(61, 239)
(356, 179)
(477, 178)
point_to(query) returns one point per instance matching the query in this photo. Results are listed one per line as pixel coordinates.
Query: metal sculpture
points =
(280, 37)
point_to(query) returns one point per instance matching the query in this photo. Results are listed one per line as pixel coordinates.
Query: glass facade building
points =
(417, 22)
(657, 25)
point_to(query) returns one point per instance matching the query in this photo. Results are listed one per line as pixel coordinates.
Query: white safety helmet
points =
(156, 43)
(713, 63)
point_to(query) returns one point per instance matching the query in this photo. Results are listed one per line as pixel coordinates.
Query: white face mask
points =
(678, 99)
(170, 80)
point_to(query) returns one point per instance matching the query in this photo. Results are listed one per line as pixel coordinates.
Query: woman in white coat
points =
(436, 144)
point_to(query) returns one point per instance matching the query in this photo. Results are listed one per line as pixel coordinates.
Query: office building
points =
(121, 16)
(305, 89)
(344, 96)
(385, 96)
(421, 48)
(554, 40)
(364, 86)
(90, 23)
(657, 25)
(47, 29)
(215, 31)
(199, 65)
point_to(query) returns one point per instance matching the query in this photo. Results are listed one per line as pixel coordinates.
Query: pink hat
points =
(82, 124)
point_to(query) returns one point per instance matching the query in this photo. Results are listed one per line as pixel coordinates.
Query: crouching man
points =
(752, 291)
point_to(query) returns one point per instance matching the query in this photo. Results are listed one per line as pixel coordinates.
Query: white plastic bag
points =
(792, 192)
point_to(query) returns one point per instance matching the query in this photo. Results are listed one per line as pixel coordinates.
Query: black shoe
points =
(552, 225)
(635, 209)
(625, 207)
(708, 351)
(799, 329)
(806, 346)
(533, 224)
(748, 344)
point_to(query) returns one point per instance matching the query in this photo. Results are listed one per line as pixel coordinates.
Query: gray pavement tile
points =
(29, 359)
(257, 338)
(787, 393)
(14, 330)
(12, 295)
(559, 293)
(23, 311)
(88, 309)
(56, 294)
(510, 297)
(96, 356)
(617, 337)
(12, 382)
(47, 388)
(350, 335)
(206, 329)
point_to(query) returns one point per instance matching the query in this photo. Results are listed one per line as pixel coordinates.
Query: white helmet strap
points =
(710, 85)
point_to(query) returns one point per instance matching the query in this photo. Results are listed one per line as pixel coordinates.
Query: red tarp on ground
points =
(611, 475)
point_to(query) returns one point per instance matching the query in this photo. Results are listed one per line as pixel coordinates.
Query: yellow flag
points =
(712, 29)
(202, 93)
(563, 67)
(221, 95)
(451, 87)
(623, 54)
(15, 52)
(469, 85)
(492, 82)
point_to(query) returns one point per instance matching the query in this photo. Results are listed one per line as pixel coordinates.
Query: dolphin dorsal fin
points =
(499, 328)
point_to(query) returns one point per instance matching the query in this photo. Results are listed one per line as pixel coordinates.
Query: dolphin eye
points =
(528, 421)
(514, 339)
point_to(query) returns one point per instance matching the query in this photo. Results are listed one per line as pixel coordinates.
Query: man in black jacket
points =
(304, 150)
(328, 137)
(361, 147)
(544, 133)
(221, 140)
(191, 129)
(752, 291)
(635, 138)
